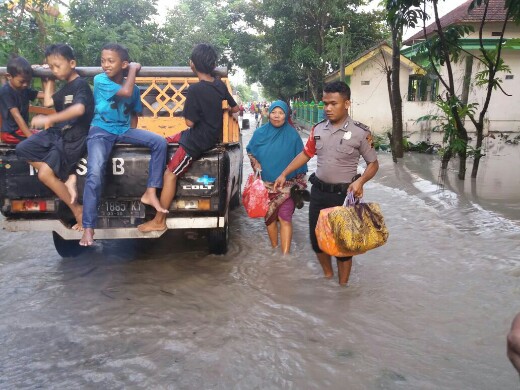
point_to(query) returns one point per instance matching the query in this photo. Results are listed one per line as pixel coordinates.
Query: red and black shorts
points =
(16, 137)
(180, 161)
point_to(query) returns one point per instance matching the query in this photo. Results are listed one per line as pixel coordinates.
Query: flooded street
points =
(429, 310)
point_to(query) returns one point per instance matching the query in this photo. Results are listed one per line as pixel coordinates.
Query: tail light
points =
(32, 205)
(197, 204)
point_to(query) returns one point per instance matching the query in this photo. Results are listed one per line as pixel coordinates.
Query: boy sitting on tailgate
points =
(15, 96)
(203, 114)
(54, 152)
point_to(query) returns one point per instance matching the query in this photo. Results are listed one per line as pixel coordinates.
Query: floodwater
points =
(429, 310)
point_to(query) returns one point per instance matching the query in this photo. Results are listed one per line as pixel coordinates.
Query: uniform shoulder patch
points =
(362, 125)
(323, 120)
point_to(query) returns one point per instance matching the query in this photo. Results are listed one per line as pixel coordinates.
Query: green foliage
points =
(111, 13)
(191, 22)
(482, 77)
(288, 47)
(246, 93)
(421, 147)
(512, 43)
(27, 32)
(404, 13)
(379, 141)
(406, 144)
(446, 123)
(298, 42)
(98, 22)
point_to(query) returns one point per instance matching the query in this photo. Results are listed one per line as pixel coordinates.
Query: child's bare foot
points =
(151, 226)
(78, 215)
(151, 199)
(71, 187)
(88, 237)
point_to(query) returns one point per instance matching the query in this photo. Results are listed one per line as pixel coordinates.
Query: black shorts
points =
(48, 146)
(322, 200)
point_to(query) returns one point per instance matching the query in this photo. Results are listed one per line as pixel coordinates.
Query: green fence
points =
(309, 112)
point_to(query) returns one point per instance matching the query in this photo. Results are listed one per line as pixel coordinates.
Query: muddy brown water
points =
(429, 310)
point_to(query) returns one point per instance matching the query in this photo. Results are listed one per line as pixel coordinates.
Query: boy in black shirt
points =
(15, 96)
(56, 151)
(203, 115)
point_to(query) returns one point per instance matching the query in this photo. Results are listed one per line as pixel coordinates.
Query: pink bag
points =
(255, 197)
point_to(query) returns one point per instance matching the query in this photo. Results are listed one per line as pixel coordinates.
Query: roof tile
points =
(496, 13)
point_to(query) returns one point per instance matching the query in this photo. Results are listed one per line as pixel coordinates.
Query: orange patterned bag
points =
(351, 229)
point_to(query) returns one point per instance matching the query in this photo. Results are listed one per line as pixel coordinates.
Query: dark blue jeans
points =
(99, 146)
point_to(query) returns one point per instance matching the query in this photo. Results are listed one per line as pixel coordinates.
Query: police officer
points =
(338, 141)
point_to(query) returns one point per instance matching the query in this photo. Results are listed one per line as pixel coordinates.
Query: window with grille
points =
(422, 88)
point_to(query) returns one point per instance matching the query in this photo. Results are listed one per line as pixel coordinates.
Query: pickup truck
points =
(205, 194)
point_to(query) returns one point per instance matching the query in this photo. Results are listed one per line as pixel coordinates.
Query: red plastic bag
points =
(255, 197)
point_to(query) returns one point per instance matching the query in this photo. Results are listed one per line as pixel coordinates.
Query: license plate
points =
(121, 208)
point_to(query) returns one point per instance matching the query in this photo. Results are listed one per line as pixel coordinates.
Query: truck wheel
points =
(218, 240)
(67, 248)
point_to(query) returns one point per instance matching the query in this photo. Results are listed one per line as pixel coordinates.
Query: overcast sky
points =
(163, 6)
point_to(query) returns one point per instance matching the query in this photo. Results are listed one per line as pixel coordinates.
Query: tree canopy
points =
(27, 27)
(192, 22)
(287, 46)
(132, 24)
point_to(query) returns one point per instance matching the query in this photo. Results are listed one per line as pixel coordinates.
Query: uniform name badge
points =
(347, 135)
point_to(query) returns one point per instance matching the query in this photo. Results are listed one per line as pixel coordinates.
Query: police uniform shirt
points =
(338, 150)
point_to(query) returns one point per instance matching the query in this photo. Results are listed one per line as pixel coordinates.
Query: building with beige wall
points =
(370, 99)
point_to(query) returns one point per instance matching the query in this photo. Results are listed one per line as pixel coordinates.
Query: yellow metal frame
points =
(163, 98)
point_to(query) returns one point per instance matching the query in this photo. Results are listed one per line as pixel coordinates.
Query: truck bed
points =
(204, 194)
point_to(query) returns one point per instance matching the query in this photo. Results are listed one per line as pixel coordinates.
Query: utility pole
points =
(341, 56)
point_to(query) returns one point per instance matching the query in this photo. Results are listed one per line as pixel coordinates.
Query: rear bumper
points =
(57, 226)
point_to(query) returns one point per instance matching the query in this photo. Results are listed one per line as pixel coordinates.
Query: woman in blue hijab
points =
(272, 147)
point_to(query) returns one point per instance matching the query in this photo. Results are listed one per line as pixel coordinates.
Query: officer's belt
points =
(327, 187)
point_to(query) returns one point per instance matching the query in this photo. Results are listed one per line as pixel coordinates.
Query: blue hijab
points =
(276, 147)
